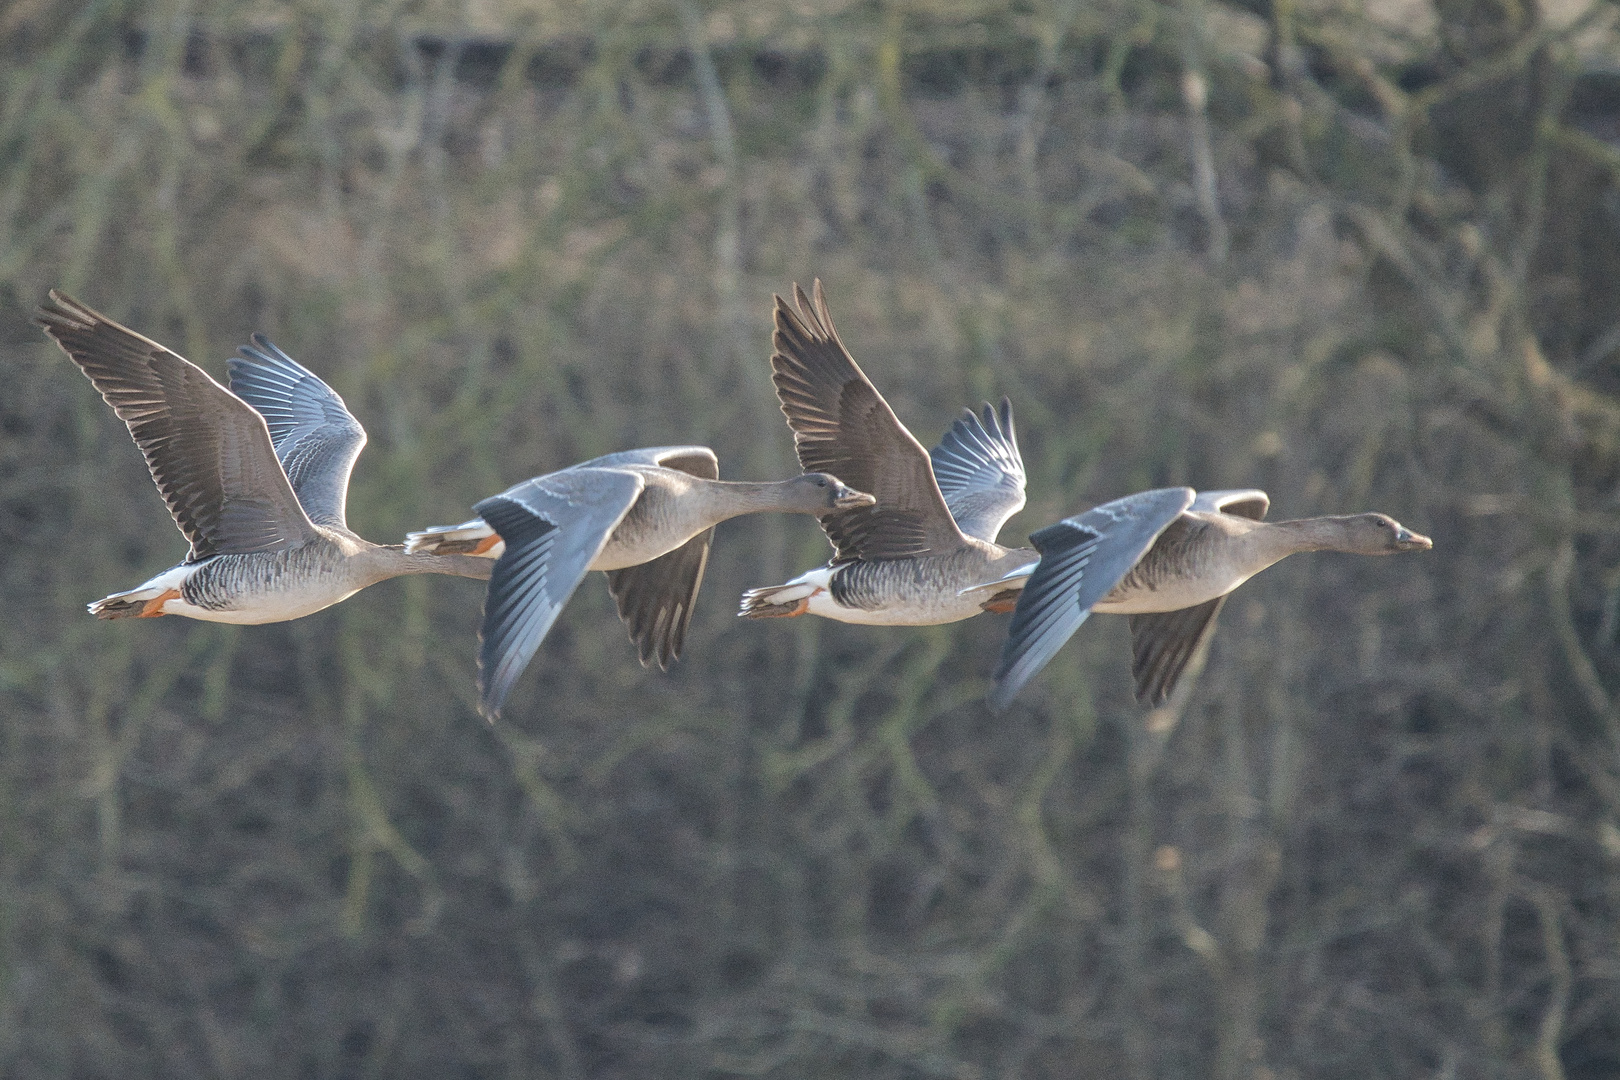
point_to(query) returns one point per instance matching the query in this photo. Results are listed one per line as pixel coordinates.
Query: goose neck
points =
(391, 560)
(1306, 534)
(757, 496)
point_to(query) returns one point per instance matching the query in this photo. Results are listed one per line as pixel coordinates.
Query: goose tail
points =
(777, 601)
(473, 537)
(147, 600)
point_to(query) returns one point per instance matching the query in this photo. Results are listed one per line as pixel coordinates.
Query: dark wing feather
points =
(1082, 558)
(655, 599)
(316, 437)
(1164, 643)
(208, 451)
(841, 425)
(980, 472)
(553, 526)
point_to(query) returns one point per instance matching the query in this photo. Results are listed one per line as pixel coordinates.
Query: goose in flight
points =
(256, 479)
(925, 552)
(646, 517)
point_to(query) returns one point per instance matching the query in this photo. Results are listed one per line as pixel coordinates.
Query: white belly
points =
(931, 609)
(1172, 597)
(263, 609)
(252, 608)
(947, 610)
(617, 554)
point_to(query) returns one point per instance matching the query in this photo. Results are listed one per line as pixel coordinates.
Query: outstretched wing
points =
(316, 437)
(1239, 502)
(553, 526)
(841, 425)
(208, 451)
(699, 461)
(1164, 643)
(1082, 558)
(980, 472)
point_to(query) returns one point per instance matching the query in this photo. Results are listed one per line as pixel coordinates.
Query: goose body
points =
(910, 558)
(256, 479)
(926, 551)
(261, 587)
(894, 592)
(646, 517)
(1167, 558)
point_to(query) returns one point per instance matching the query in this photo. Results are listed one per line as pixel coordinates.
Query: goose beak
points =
(849, 499)
(1407, 540)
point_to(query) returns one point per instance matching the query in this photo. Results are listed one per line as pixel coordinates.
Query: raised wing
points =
(208, 451)
(1164, 643)
(1240, 502)
(841, 425)
(980, 471)
(554, 526)
(655, 598)
(1082, 558)
(315, 436)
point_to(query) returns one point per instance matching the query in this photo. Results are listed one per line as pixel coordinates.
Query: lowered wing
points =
(1082, 559)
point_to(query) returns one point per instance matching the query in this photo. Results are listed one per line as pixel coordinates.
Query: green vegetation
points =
(1361, 255)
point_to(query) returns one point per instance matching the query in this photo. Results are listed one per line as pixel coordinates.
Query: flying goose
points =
(646, 517)
(926, 551)
(256, 480)
(1167, 558)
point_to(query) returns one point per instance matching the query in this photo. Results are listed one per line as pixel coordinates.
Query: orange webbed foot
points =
(154, 607)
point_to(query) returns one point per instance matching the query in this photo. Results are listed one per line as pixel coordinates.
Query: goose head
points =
(825, 494)
(1379, 534)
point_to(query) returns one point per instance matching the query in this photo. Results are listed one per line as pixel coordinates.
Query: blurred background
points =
(1363, 255)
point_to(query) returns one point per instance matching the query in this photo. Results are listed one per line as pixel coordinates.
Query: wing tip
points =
(61, 312)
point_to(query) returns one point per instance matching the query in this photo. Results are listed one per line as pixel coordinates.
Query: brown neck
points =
(762, 496)
(1309, 534)
(384, 561)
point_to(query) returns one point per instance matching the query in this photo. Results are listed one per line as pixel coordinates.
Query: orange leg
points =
(780, 611)
(1002, 602)
(154, 607)
(486, 543)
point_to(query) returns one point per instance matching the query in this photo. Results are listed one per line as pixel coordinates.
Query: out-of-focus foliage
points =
(1362, 255)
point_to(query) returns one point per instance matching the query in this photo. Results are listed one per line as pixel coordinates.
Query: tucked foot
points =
(136, 604)
(1003, 602)
(779, 602)
(776, 611)
(473, 537)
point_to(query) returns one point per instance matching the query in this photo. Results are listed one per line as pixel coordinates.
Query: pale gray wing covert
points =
(554, 526)
(1240, 502)
(1082, 558)
(1163, 643)
(655, 599)
(980, 472)
(208, 451)
(697, 460)
(841, 425)
(315, 435)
